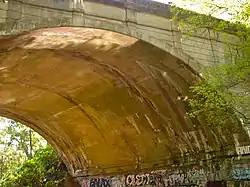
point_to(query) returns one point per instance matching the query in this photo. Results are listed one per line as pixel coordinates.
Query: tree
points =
(223, 90)
(44, 169)
(25, 160)
(17, 144)
(9, 159)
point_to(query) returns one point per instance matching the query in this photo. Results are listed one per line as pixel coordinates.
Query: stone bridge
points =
(146, 20)
(114, 103)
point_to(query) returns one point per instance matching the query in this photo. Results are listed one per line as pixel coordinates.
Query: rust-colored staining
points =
(108, 103)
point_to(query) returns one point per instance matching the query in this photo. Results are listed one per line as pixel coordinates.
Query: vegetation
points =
(223, 91)
(26, 159)
(44, 169)
(17, 144)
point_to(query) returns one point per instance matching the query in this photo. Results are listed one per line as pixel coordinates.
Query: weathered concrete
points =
(145, 20)
(3, 11)
(109, 104)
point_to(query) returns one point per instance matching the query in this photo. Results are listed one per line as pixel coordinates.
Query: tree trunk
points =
(30, 138)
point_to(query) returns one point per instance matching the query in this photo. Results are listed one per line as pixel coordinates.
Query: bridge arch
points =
(151, 24)
(128, 31)
(110, 103)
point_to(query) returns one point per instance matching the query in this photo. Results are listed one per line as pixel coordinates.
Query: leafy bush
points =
(44, 169)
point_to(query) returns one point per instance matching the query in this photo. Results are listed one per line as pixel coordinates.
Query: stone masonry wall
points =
(3, 11)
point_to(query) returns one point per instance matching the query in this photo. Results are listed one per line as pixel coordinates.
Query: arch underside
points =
(164, 33)
(109, 103)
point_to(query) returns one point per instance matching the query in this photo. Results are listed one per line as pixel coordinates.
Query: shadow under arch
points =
(117, 101)
(165, 45)
(163, 38)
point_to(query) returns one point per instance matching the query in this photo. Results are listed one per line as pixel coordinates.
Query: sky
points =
(3, 122)
(200, 8)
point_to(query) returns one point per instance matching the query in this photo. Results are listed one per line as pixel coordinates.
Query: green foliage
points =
(194, 21)
(24, 159)
(20, 137)
(9, 159)
(217, 98)
(44, 169)
(210, 105)
(17, 144)
(223, 91)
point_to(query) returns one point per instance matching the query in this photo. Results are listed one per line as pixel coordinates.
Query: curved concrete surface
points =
(109, 103)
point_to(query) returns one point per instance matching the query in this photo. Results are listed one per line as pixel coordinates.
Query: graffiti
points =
(191, 177)
(164, 179)
(161, 178)
(243, 150)
(99, 182)
(138, 180)
(154, 179)
(195, 177)
(241, 174)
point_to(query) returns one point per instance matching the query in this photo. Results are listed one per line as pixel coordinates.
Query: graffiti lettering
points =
(163, 179)
(175, 179)
(99, 182)
(144, 179)
(243, 150)
(137, 180)
(241, 174)
(196, 176)
(191, 177)
(179, 177)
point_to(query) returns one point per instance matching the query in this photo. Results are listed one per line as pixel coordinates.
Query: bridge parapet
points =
(146, 20)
